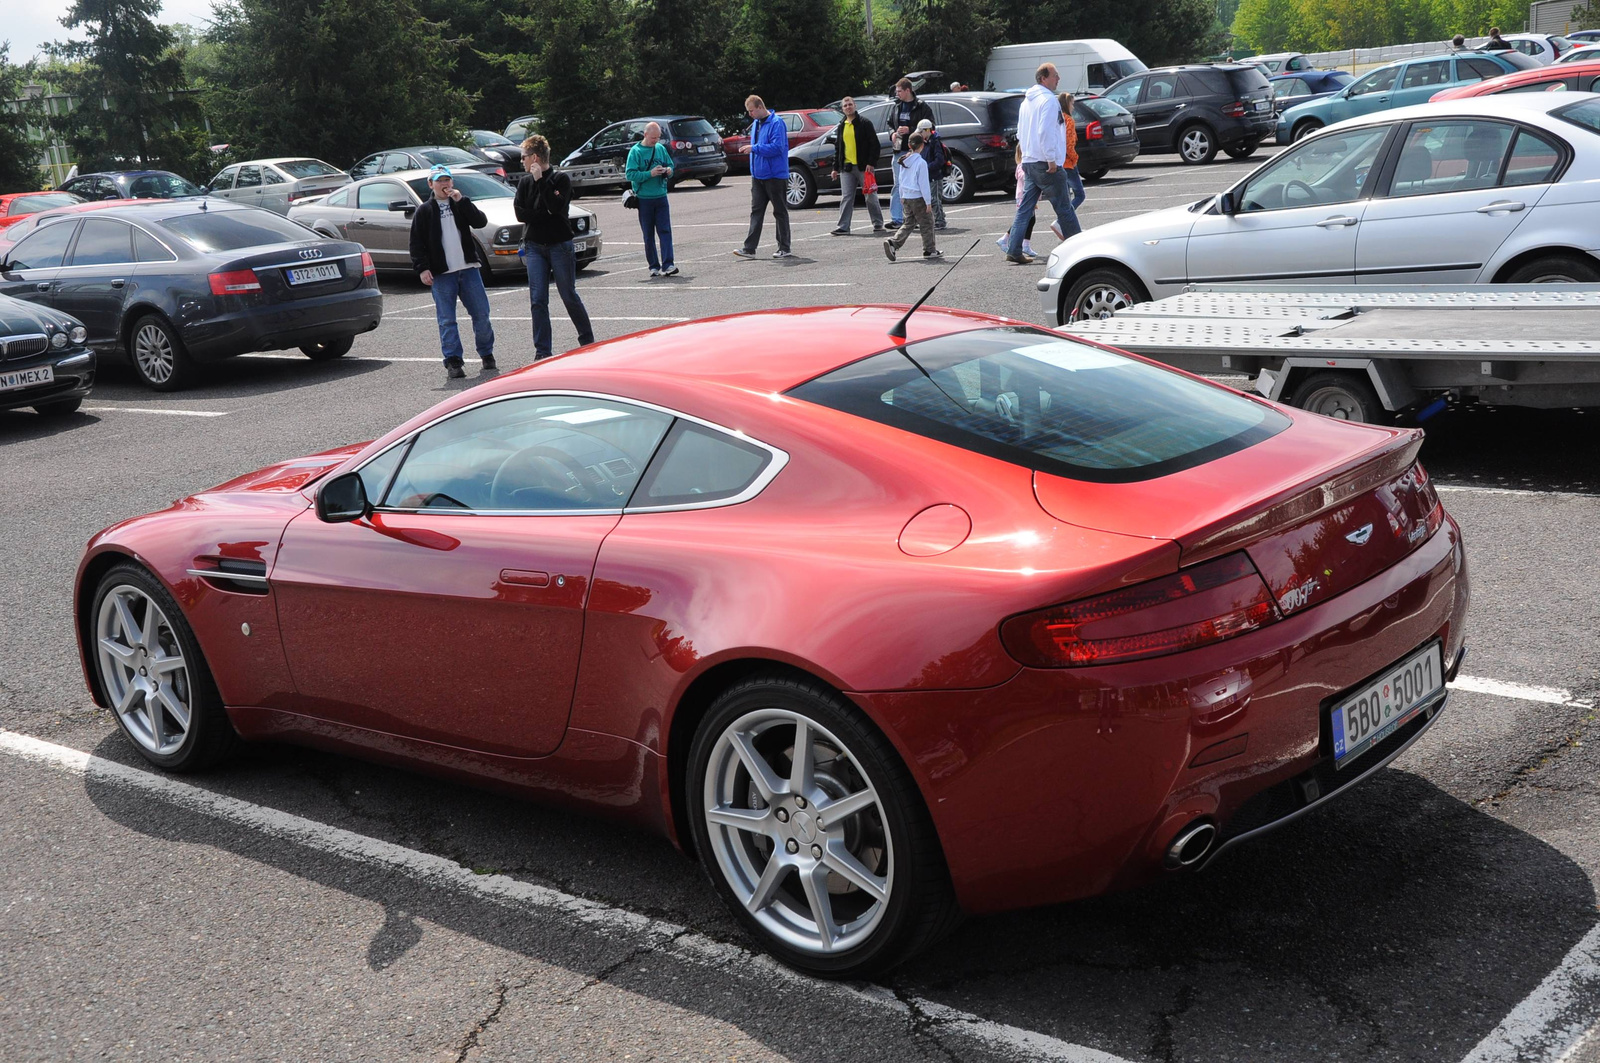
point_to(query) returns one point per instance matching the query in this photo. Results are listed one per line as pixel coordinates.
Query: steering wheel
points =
(1290, 186)
(530, 469)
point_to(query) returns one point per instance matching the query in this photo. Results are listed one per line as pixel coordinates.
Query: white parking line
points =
(155, 410)
(529, 317)
(439, 873)
(670, 287)
(1522, 692)
(1516, 491)
(1554, 1019)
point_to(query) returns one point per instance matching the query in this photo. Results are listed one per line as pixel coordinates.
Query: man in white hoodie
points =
(1041, 133)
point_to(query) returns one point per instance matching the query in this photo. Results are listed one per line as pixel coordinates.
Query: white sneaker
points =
(1055, 227)
(1000, 241)
(1027, 249)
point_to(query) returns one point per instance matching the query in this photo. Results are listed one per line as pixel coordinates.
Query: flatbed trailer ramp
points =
(1366, 353)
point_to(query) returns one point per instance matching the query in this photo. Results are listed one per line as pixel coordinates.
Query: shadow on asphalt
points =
(1396, 924)
(1515, 447)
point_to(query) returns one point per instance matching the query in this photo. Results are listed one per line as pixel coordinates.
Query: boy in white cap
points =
(938, 160)
(445, 256)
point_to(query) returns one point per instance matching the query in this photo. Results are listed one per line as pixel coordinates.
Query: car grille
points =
(23, 346)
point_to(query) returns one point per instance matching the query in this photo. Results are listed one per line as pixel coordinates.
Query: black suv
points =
(979, 130)
(695, 147)
(1194, 110)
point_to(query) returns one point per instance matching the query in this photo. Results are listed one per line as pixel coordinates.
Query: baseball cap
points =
(926, 123)
(438, 172)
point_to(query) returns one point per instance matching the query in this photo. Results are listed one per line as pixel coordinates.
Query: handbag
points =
(869, 181)
(629, 199)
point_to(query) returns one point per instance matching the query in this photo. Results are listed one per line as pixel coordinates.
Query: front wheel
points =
(328, 350)
(1197, 145)
(802, 190)
(1557, 269)
(1242, 151)
(1306, 128)
(960, 184)
(1100, 293)
(813, 832)
(711, 182)
(59, 408)
(1344, 396)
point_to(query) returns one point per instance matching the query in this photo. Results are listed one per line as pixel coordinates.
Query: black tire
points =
(1091, 176)
(802, 189)
(711, 182)
(1557, 269)
(1344, 396)
(960, 180)
(59, 408)
(1242, 151)
(328, 350)
(1304, 128)
(209, 738)
(1195, 144)
(158, 355)
(584, 263)
(895, 833)
(1100, 293)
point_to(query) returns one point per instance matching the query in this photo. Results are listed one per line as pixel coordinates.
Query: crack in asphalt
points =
(922, 1026)
(501, 990)
(1163, 1044)
(634, 955)
(1537, 762)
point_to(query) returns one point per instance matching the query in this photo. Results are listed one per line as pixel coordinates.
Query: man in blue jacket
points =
(769, 177)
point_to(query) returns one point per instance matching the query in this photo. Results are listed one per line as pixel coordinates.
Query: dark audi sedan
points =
(173, 284)
(44, 361)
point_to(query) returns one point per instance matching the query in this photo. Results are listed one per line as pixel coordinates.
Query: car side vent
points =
(618, 467)
(232, 574)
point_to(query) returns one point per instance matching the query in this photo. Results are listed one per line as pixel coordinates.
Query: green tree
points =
(1272, 25)
(802, 53)
(484, 33)
(579, 74)
(19, 154)
(955, 36)
(335, 79)
(1586, 16)
(1159, 31)
(127, 77)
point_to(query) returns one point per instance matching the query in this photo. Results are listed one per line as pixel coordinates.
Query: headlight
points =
(79, 334)
(503, 236)
(58, 340)
(580, 225)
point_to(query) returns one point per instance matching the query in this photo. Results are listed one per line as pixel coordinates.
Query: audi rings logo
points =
(311, 252)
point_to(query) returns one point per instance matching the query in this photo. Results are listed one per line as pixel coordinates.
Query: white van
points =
(1088, 65)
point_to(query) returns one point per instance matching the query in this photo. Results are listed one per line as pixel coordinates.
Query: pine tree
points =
(19, 155)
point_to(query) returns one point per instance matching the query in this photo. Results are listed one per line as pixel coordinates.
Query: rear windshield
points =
(1102, 107)
(34, 204)
(235, 229)
(827, 117)
(1004, 112)
(1585, 114)
(684, 128)
(308, 168)
(1249, 79)
(1047, 403)
(446, 156)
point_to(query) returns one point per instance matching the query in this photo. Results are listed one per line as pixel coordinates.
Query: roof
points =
(121, 173)
(1553, 72)
(281, 158)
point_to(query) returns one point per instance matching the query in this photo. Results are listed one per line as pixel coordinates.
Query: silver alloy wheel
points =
(142, 666)
(1339, 403)
(952, 184)
(1195, 145)
(153, 351)
(798, 831)
(1102, 301)
(795, 194)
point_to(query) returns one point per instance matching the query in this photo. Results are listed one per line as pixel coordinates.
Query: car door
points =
(384, 232)
(93, 284)
(32, 266)
(1459, 188)
(274, 191)
(1296, 218)
(247, 186)
(337, 213)
(465, 586)
(1158, 108)
(222, 184)
(1420, 80)
(1368, 93)
(1287, 92)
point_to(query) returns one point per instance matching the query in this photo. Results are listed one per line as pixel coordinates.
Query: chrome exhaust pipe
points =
(1191, 845)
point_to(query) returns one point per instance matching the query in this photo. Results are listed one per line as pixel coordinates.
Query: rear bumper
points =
(1256, 128)
(1119, 152)
(694, 167)
(1061, 784)
(74, 377)
(280, 326)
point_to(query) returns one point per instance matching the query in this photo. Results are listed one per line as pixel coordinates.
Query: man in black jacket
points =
(901, 122)
(445, 256)
(855, 146)
(541, 205)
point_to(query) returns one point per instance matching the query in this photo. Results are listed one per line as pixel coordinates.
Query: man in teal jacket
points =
(650, 172)
(769, 177)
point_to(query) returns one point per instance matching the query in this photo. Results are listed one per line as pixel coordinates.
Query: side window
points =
(1320, 172)
(366, 167)
(375, 473)
(1454, 156)
(1423, 75)
(1126, 92)
(102, 243)
(378, 195)
(106, 188)
(249, 177)
(792, 122)
(1470, 69)
(1160, 88)
(612, 136)
(1299, 62)
(340, 198)
(547, 453)
(147, 248)
(698, 464)
(45, 249)
(224, 180)
(271, 176)
(1534, 160)
(1539, 86)
(1291, 87)
(1377, 81)
(396, 161)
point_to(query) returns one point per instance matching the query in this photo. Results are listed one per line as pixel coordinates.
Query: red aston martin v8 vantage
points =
(882, 631)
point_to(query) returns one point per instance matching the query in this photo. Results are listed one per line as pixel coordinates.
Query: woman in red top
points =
(1071, 165)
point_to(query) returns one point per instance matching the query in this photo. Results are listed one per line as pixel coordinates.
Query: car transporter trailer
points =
(1369, 353)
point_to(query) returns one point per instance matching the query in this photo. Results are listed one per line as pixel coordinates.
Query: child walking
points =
(911, 179)
(1004, 238)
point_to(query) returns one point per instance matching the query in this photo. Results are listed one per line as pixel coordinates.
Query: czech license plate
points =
(1121, 131)
(1263, 105)
(27, 378)
(1376, 710)
(582, 245)
(311, 274)
(706, 149)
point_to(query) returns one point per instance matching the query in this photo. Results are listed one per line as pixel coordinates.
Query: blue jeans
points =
(656, 220)
(1076, 184)
(1054, 187)
(560, 263)
(897, 213)
(467, 285)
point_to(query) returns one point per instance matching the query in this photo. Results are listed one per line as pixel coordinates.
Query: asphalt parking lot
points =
(308, 906)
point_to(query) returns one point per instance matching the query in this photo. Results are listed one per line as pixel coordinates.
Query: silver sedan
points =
(1494, 189)
(377, 212)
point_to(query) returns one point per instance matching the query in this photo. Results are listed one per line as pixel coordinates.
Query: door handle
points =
(42, 286)
(1502, 206)
(118, 283)
(522, 577)
(1341, 222)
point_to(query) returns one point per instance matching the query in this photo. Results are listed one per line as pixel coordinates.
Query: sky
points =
(30, 24)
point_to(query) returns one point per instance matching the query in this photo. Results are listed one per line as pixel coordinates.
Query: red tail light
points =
(992, 140)
(234, 282)
(499, 171)
(1207, 603)
(680, 145)
(367, 268)
(1094, 131)
(1235, 109)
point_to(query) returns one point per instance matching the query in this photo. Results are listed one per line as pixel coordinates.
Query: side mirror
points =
(342, 499)
(831, 138)
(1227, 203)
(403, 206)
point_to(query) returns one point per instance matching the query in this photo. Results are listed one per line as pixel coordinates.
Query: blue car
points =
(1399, 84)
(1303, 86)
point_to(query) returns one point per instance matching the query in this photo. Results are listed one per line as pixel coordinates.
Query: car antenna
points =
(899, 330)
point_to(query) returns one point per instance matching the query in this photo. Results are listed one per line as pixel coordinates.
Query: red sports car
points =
(881, 630)
(18, 205)
(803, 126)
(1557, 77)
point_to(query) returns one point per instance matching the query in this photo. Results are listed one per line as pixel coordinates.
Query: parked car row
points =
(692, 142)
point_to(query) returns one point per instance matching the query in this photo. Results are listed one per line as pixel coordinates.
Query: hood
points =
(291, 475)
(1168, 223)
(18, 317)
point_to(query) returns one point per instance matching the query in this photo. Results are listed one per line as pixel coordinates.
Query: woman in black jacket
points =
(855, 145)
(541, 205)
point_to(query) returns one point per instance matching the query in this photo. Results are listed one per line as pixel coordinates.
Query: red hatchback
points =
(18, 205)
(880, 630)
(803, 126)
(1558, 77)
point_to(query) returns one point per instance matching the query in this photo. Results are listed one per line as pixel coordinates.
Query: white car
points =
(376, 213)
(1544, 48)
(1585, 52)
(1492, 189)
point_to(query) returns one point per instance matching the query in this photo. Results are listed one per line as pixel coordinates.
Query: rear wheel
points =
(960, 184)
(1100, 293)
(158, 355)
(1094, 175)
(813, 832)
(328, 350)
(59, 408)
(1557, 269)
(802, 190)
(1197, 145)
(711, 182)
(1242, 151)
(1344, 396)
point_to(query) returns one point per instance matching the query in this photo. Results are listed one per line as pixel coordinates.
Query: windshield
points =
(684, 128)
(1102, 107)
(472, 185)
(447, 156)
(234, 230)
(1048, 403)
(485, 139)
(160, 186)
(308, 168)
